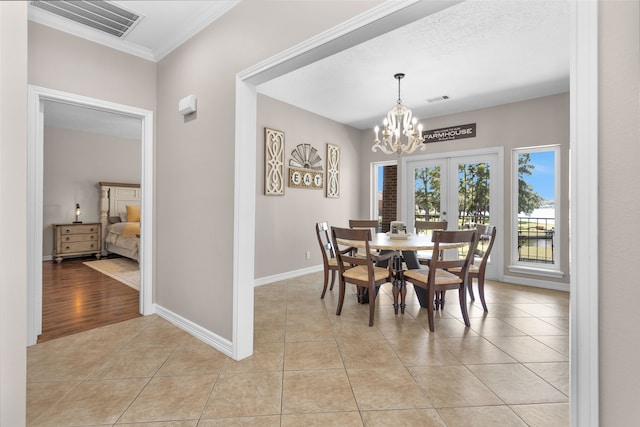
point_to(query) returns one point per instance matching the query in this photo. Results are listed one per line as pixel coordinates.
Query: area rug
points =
(123, 270)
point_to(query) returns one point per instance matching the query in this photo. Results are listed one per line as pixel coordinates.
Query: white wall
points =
(540, 121)
(285, 225)
(74, 163)
(13, 212)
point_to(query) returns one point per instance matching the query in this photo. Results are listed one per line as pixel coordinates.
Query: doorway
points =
(36, 98)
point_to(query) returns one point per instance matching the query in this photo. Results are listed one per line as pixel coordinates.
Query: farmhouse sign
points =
(450, 133)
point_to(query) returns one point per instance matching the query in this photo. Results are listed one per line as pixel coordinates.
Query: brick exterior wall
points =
(389, 197)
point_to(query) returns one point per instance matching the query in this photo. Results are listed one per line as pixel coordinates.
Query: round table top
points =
(412, 242)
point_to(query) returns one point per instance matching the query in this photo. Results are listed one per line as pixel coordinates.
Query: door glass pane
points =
(474, 186)
(427, 193)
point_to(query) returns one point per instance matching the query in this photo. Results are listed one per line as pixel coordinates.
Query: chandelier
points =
(399, 121)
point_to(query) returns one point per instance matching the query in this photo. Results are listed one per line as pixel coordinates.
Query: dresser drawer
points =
(77, 247)
(79, 238)
(78, 229)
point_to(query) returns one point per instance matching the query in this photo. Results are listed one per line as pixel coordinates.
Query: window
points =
(535, 221)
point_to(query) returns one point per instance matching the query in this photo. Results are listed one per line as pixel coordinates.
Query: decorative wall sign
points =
(273, 162)
(333, 171)
(305, 168)
(450, 133)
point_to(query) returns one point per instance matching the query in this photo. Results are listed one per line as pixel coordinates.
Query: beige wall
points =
(619, 200)
(195, 157)
(285, 225)
(541, 121)
(13, 212)
(63, 62)
(66, 182)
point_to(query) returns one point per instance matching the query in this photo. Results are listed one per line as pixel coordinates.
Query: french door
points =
(463, 188)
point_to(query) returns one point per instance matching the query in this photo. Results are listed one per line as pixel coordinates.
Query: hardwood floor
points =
(77, 298)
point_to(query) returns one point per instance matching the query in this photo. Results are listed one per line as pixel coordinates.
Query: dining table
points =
(408, 244)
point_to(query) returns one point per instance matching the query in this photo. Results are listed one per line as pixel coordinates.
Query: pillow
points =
(114, 219)
(133, 213)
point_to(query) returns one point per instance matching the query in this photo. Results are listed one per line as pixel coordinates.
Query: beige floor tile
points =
(481, 416)
(535, 326)
(491, 327)
(312, 355)
(193, 359)
(162, 336)
(555, 373)
(368, 355)
(341, 419)
(170, 398)
(188, 423)
(526, 349)
(502, 310)
(542, 310)
(267, 356)
(41, 396)
(423, 353)
(263, 421)
(130, 362)
(453, 386)
(309, 330)
(403, 327)
(348, 330)
(403, 418)
(92, 402)
(476, 350)
(386, 388)
(544, 415)
(268, 332)
(556, 342)
(515, 384)
(317, 391)
(64, 365)
(245, 395)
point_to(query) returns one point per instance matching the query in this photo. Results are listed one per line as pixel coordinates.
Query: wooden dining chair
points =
(437, 280)
(328, 255)
(486, 237)
(363, 272)
(373, 224)
(424, 257)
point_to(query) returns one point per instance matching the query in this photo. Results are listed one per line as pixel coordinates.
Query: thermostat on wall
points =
(187, 105)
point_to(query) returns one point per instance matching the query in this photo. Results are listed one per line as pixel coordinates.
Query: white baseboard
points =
(288, 275)
(536, 283)
(221, 344)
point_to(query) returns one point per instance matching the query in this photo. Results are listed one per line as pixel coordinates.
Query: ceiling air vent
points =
(98, 14)
(438, 98)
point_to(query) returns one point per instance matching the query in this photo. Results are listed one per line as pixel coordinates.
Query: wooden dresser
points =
(76, 239)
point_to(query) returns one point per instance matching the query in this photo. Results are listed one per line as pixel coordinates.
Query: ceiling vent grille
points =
(98, 14)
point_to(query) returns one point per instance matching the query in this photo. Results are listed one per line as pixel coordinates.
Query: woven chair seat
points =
(443, 277)
(361, 272)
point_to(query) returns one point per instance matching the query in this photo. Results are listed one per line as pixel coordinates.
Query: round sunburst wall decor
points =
(305, 168)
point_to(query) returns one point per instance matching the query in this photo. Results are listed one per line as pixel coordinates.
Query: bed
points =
(120, 218)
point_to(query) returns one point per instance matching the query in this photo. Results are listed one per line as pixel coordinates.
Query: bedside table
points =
(77, 239)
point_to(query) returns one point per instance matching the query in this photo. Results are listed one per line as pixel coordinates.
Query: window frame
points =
(516, 265)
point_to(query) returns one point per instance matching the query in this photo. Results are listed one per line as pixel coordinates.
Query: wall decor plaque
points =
(273, 162)
(333, 171)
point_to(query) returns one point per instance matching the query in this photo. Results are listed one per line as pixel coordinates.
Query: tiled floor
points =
(313, 368)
